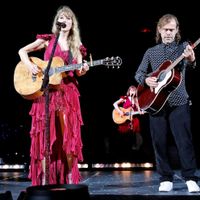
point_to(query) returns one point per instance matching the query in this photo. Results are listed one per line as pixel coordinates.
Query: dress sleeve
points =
(83, 51)
(123, 97)
(44, 36)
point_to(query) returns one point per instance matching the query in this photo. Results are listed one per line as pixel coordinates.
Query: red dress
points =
(129, 126)
(66, 99)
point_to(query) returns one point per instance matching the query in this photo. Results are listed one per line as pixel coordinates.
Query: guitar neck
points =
(77, 66)
(181, 57)
(174, 63)
(134, 112)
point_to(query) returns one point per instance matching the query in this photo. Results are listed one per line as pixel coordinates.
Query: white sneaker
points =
(192, 186)
(165, 186)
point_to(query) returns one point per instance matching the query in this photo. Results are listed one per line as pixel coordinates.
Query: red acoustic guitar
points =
(168, 80)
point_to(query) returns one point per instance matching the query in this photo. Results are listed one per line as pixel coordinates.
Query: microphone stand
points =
(45, 88)
(131, 110)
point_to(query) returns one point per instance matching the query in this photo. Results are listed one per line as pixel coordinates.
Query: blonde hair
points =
(131, 87)
(165, 19)
(74, 39)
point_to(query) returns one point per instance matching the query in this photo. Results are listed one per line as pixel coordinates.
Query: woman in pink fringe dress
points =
(131, 125)
(64, 106)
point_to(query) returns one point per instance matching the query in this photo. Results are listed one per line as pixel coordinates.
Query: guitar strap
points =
(70, 58)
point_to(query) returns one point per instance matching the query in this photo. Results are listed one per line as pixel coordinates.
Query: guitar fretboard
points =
(181, 57)
(77, 66)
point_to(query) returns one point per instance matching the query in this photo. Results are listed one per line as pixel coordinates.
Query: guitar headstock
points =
(112, 62)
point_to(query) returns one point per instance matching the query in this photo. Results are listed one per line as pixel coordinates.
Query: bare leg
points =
(44, 171)
(70, 160)
(70, 157)
(138, 141)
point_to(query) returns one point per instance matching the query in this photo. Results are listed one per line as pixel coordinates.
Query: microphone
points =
(61, 24)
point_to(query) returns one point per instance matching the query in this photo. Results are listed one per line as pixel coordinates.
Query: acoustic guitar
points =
(128, 113)
(168, 78)
(29, 85)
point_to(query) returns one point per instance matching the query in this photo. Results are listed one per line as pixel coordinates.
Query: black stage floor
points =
(108, 185)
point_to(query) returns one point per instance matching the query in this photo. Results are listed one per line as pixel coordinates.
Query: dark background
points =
(108, 28)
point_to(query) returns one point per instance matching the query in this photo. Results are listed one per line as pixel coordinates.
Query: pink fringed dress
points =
(65, 99)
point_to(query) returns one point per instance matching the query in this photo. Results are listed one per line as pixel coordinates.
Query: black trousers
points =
(178, 120)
